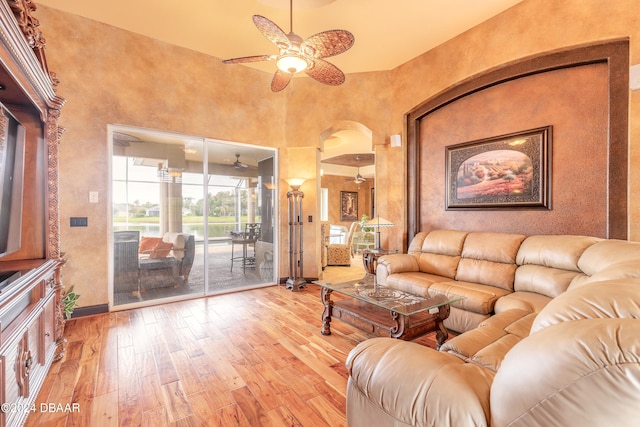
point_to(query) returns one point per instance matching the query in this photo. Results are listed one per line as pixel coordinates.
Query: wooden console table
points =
(384, 311)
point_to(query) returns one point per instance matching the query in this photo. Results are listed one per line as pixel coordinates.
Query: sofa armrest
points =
(395, 263)
(416, 385)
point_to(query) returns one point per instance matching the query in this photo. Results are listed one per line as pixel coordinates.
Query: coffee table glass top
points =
(390, 299)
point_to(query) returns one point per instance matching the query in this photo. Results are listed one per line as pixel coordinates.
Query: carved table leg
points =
(397, 331)
(369, 261)
(325, 296)
(441, 332)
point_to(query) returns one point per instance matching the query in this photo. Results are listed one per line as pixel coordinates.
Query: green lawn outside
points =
(192, 219)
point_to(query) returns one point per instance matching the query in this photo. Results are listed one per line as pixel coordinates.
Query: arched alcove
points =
(486, 105)
(346, 156)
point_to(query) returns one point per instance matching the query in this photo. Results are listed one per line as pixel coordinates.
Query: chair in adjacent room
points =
(341, 254)
(168, 263)
(246, 239)
(325, 230)
(126, 273)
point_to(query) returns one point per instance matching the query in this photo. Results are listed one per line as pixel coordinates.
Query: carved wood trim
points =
(3, 128)
(22, 366)
(615, 53)
(53, 133)
(23, 11)
(22, 49)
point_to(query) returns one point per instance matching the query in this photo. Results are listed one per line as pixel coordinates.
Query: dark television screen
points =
(7, 277)
(12, 140)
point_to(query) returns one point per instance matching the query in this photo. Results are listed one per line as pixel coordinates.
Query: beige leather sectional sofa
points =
(551, 335)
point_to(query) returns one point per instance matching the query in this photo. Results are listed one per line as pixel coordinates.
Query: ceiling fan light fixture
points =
(291, 63)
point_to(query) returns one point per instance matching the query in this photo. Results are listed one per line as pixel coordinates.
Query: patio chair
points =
(247, 238)
(126, 273)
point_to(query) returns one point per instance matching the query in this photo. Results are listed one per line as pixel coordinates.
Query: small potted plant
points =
(368, 236)
(69, 302)
(363, 224)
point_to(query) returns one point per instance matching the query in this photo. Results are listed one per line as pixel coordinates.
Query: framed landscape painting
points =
(507, 171)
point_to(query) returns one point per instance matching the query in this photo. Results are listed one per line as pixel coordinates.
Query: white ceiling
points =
(387, 32)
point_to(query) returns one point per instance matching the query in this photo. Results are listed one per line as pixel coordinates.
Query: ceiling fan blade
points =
(272, 32)
(255, 58)
(280, 80)
(325, 72)
(328, 43)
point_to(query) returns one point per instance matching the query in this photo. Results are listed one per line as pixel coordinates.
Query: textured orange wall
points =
(335, 184)
(113, 76)
(110, 76)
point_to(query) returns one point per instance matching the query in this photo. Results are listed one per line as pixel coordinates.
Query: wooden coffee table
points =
(385, 311)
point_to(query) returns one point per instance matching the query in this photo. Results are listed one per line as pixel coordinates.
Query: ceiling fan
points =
(297, 55)
(238, 164)
(358, 179)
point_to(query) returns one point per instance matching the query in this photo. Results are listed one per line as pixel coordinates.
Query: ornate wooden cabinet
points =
(31, 321)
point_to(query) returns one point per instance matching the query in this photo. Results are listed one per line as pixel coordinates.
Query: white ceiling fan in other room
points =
(358, 179)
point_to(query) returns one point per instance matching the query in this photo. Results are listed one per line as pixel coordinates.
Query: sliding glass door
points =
(190, 217)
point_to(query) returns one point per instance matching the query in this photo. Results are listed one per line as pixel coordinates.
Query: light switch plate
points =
(93, 197)
(634, 77)
(78, 221)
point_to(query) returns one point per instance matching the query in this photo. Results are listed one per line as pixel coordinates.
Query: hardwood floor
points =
(253, 358)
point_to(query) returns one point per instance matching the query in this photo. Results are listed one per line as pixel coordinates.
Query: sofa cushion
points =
(543, 280)
(439, 252)
(177, 241)
(609, 259)
(528, 301)
(161, 250)
(415, 247)
(496, 247)
(413, 282)
(477, 297)
(445, 242)
(561, 252)
(442, 265)
(492, 339)
(517, 322)
(489, 259)
(487, 273)
(461, 320)
(147, 244)
(609, 299)
(619, 270)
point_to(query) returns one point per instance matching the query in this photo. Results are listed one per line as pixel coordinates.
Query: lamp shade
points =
(295, 183)
(379, 222)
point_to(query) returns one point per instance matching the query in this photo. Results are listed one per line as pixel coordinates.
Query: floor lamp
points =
(295, 281)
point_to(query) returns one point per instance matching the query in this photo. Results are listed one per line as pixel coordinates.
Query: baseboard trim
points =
(90, 310)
